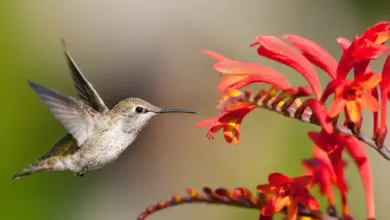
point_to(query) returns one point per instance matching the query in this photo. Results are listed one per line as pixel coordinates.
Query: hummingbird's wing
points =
(65, 146)
(85, 89)
(76, 116)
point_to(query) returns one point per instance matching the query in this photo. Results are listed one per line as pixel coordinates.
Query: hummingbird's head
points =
(137, 112)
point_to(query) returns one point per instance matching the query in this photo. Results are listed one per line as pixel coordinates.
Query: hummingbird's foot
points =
(81, 173)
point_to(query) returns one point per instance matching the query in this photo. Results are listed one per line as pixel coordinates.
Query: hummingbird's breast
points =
(105, 147)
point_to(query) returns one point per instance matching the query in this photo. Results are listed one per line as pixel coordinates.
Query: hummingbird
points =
(96, 135)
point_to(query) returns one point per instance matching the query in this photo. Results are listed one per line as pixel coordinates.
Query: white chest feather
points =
(106, 147)
(115, 141)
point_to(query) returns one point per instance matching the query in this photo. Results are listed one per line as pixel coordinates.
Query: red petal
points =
(278, 179)
(324, 157)
(327, 142)
(304, 180)
(358, 153)
(273, 48)
(266, 189)
(248, 79)
(309, 201)
(232, 132)
(374, 93)
(269, 207)
(315, 54)
(344, 43)
(338, 165)
(386, 71)
(292, 211)
(281, 202)
(320, 111)
(384, 90)
(331, 88)
(214, 125)
(222, 121)
(336, 107)
(317, 139)
(364, 49)
(322, 170)
(253, 72)
(361, 67)
(372, 32)
(368, 80)
(215, 55)
(233, 82)
(207, 122)
(354, 111)
(369, 102)
(347, 60)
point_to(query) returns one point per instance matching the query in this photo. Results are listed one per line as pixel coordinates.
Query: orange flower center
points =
(352, 93)
(285, 190)
(382, 37)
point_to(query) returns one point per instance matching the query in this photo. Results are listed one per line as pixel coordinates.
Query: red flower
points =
(323, 174)
(327, 167)
(352, 95)
(286, 192)
(229, 121)
(241, 74)
(358, 153)
(358, 70)
(315, 54)
(333, 144)
(364, 48)
(385, 95)
(275, 49)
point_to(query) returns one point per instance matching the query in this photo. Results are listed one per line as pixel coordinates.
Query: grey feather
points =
(85, 89)
(75, 116)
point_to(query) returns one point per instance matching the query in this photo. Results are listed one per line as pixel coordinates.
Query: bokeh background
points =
(152, 49)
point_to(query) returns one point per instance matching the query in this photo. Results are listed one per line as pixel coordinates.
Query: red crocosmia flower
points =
(215, 55)
(352, 95)
(286, 192)
(241, 74)
(315, 54)
(323, 174)
(247, 73)
(358, 153)
(385, 88)
(229, 121)
(275, 49)
(364, 48)
(359, 69)
(230, 103)
(328, 142)
(333, 144)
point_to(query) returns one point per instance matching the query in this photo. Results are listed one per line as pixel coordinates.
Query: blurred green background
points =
(152, 50)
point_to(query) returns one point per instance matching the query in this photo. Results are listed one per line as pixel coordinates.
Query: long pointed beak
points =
(172, 110)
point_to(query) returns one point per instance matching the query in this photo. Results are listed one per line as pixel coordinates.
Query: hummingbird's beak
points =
(171, 110)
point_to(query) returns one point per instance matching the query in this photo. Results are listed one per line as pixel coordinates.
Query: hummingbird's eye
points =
(139, 109)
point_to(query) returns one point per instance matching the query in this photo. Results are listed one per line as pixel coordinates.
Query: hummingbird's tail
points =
(39, 166)
(32, 168)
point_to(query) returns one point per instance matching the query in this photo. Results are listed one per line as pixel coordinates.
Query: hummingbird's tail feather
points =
(50, 164)
(30, 169)
(22, 173)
